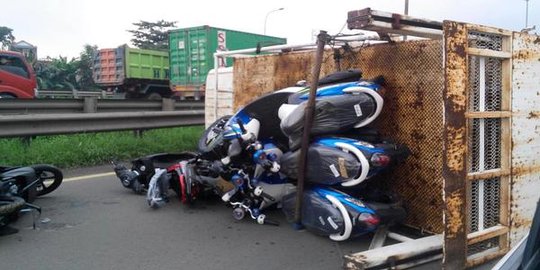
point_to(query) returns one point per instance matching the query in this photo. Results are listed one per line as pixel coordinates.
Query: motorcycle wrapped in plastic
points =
(250, 159)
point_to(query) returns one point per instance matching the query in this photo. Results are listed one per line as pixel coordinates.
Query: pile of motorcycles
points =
(19, 187)
(250, 160)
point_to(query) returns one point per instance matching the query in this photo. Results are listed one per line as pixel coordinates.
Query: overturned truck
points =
(465, 100)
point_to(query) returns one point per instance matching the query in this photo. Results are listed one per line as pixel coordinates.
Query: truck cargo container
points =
(191, 54)
(137, 72)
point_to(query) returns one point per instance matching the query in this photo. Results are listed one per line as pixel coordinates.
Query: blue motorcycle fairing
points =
(365, 147)
(348, 201)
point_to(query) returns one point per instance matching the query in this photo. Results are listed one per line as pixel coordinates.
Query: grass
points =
(76, 150)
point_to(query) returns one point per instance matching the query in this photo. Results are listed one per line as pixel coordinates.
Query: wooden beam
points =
(488, 174)
(506, 141)
(489, 53)
(476, 237)
(379, 257)
(486, 258)
(488, 29)
(494, 114)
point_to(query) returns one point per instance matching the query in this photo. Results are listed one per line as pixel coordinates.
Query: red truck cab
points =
(17, 78)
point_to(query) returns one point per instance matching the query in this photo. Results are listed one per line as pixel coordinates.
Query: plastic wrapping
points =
(327, 166)
(318, 214)
(322, 216)
(333, 114)
(157, 188)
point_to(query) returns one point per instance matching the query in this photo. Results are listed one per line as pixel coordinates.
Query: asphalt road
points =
(95, 223)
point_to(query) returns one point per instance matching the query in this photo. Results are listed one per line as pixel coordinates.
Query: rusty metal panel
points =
(255, 76)
(525, 190)
(412, 115)
(455, 144)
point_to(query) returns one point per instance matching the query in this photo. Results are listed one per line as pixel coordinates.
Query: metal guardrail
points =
(20, 118)
(34, 106)
(73, 94)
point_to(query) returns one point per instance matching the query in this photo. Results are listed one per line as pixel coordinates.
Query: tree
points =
(84, 67)
(57, 73)
(152, 35)
(63, 74)
(6, 37)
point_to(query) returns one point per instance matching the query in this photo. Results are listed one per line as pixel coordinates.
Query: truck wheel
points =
(153, 96)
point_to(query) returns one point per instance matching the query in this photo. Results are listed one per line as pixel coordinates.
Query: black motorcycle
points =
(19, 187)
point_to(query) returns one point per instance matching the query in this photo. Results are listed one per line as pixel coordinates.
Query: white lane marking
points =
(84, 177)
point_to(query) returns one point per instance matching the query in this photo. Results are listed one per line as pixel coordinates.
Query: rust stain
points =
(520, 171)
(520, 222)
(454, 214)
(533, 115)
(456, 149)
(525, 54)
(456, 67)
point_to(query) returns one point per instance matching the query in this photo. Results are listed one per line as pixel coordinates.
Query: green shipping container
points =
(191, 52)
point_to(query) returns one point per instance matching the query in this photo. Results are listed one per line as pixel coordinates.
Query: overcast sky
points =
(62, 27)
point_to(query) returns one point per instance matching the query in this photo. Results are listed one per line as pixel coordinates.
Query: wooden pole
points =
(322, 39)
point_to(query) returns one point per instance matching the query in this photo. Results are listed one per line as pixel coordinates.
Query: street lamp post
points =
(526, 13)
(266, 18)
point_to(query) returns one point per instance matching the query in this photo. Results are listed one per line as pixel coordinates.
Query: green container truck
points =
(137, 72)
(191, 54)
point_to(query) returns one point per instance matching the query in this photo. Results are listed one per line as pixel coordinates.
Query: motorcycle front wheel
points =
(50, 178)
(212, 136)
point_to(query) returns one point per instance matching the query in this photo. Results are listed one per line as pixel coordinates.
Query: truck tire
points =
(153, 96)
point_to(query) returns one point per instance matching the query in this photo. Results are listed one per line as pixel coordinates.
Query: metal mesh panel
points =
(412, 115)
(474, 145)
(492, 144)
(482, 246)
(485, 41)
(473, 206)
(484, 139)
(491, 203)
(493, 97)
(474, 83)
(492, 83)
(492, 150)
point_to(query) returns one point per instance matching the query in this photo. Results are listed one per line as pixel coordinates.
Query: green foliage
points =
(84, 68)
(152, 35)
(6, 37)
(57, 73)
(93, 149)
(63, 74)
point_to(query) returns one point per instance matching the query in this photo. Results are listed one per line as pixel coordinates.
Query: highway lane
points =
(95, 223)
(92, 222)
